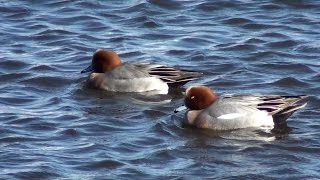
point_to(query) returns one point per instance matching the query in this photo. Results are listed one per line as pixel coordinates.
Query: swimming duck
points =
(108, 73)
(227, 112)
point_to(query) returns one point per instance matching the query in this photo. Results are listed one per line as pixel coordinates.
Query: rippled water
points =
(54, 126)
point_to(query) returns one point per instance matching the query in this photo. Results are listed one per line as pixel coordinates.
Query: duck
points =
(107, 72)
(207, 110)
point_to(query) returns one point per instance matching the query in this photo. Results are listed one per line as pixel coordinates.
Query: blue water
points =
(54, 126)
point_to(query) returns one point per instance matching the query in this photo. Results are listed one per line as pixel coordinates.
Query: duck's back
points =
(128, 71)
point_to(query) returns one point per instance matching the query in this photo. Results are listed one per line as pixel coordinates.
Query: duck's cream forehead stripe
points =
(98, 50)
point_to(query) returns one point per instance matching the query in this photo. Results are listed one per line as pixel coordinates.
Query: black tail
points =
(282, 115)
(181, 81)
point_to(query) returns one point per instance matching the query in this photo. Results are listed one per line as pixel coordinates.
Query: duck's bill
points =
(181, 108)
(88, 69)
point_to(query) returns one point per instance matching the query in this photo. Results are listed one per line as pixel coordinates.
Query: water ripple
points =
(290, 82)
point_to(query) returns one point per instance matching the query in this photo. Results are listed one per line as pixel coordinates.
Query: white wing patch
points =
(231, 116)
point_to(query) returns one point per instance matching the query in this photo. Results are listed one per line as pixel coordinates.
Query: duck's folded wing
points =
(280, 107)
(270, 103)
(170, 75)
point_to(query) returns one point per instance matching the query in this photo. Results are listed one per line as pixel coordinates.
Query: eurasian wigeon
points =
(107, 72)
(227, 112)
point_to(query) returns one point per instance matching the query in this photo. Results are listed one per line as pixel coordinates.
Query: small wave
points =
(50, 34)
(17, 100)
(43, 68)
(261, 55)
(13, 139)
(282, 44)
(54, 32)
(290, 82)
(237, 21)
(239, 47)
(12, 64)
(140, 6)
(13, 9)
(89, 4)
(254, 41)
(292, 67)
(70, 132)
(47, 81)
(19, 15)
(207, 6)
(225, 83)
(219, 5)
(150, 24)
(258, 26)
(270, 6)
(13, 77)
(316, 77)
(168, 4)
(79, 19)
(155, 36)
(38, 126)
(144, 21)
(298, 4)
(197, 40)
(178, 52)
(35, 174)
(308, 49)
(105, 164)
(274, 35)
(132, 53)
(57, 3)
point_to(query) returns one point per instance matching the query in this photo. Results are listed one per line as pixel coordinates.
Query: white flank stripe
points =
(231, 116)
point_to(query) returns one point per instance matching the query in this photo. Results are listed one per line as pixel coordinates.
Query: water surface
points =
(54, 126)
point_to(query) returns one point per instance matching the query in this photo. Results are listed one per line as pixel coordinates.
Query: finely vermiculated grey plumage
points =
(241, 111)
